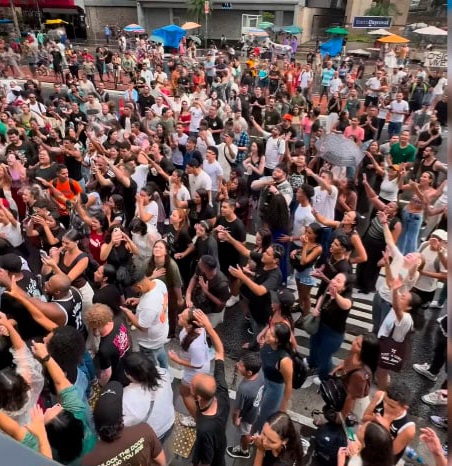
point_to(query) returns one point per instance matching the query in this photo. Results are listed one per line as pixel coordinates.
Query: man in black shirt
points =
(212, 400)
(257, 103)
(257, 289)
(114, 342)
(145, 100)
(271, 115)
(215, 124)
(208, 289)
(24, 149)
(369, 123)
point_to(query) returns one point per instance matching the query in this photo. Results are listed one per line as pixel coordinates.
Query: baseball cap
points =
(287, 116)
(283, 297)
(440, 234)
(11, 263)
(108, 409)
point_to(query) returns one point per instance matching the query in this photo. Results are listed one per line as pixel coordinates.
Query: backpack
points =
(300, 370)
(327, 441)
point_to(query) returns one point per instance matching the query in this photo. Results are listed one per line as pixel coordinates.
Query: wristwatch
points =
(45, 359)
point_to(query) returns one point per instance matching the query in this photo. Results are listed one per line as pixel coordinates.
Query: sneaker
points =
(237, 452)
(435, 399)
(439, 421)
(436, 305)
(187, 421)
(232, 301)
(445, 448)
(423, 369)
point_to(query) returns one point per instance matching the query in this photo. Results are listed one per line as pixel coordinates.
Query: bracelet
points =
(45, 359)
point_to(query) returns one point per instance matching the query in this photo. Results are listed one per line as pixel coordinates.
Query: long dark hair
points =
(277, 214)
(370, 351)
(266, 236)
(282, 424)
(13, 390)
(192, 334)
(151, 265)
(377, 446)
(283, 333)
(204, 195)
(65, 433)
(142, 370)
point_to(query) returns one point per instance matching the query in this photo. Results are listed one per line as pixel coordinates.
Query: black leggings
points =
(439, 352)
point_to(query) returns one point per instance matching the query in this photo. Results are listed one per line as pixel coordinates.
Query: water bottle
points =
(412, 457)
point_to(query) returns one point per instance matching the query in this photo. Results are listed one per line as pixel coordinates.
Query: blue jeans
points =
(325, 242)
(380, 309)
(411, 226)
(394, 128)
(322, 346)
(271, 401)
(158, 356)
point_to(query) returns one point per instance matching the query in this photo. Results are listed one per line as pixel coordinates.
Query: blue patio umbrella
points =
(156, 39)
(135, 28)
(293, 29)
(170, 34)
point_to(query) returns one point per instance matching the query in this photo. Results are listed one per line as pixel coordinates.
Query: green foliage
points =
(195, 10)
(383, 8)
(268, 16)
(360, 37)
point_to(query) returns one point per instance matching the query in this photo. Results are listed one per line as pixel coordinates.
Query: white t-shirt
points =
(136, 404)
(324, 202)
(178, 157)
(183, 194)
(397, 268)
(401, 106)
(12, 233)
(389, 189)
(153, 209)
(214, 170)
(335, 84)
(140, 176)
(197, 182)
(401, 329)
(201, 145)
(440, 86)
(274, 150)
(196, 116)
(374, 86)
(425, 283)
(305, 79)
(152, 313)
(197, 354)
(302, 218)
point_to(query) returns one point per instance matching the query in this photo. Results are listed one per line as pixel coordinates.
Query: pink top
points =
(358, 132)
(306, 125)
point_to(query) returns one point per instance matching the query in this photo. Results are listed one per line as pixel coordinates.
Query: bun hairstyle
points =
(192, 334)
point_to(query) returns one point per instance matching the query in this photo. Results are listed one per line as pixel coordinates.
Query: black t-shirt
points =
(218, 286)
(271, 118)
(153, 176)
(332, 315)
(26, 151)
(255, 110)
(215, 123)
(425, 136)
(112, 349)
(128, 194)
(260, 306)
(110, 296)
(145, 101)
(227, 253)
(74, 167)
(290, 130)
(210, 445)
(331, 269)
(282, 460)
(177, 241)
(368, 132)
(195, 217)
(26, 325)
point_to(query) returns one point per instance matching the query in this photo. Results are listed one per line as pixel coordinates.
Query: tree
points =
(383, 8)
(195, 9)
(268, 16)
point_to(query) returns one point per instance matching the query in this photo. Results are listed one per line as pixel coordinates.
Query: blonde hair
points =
(97, 316)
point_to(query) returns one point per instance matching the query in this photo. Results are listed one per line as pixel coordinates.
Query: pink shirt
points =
(358, 132)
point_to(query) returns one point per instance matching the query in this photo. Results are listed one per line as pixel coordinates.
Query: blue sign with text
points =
(368, 22)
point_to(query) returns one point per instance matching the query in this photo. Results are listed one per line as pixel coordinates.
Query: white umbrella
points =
(431, 31)
(358, 52)
(338, 150)
(417, 25)
(379, 32)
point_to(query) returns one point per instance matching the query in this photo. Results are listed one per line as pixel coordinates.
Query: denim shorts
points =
(304, 277)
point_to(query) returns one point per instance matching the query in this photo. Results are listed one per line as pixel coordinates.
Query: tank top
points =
(119, 255)
(271, 360)
(80, 280)
(72, 307)
(389, 189)
(396, 427)
(428, 168)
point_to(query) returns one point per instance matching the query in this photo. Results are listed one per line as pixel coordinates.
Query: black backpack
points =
(300, 370)
(327, 441)
(333, 392)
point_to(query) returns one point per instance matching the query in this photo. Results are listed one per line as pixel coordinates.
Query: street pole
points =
(16, 22)
(206, 12)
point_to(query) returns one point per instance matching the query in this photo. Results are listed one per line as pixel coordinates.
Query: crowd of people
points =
(125, 226)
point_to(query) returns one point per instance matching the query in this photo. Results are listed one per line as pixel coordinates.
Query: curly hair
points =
(110, 433)
(98, 315)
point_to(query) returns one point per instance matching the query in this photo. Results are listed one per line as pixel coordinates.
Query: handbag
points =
(392, 353)
(311, 323)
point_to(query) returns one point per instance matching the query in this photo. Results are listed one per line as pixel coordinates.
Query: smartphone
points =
(43, 254)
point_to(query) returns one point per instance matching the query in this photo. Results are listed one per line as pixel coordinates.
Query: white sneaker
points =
(436, 305)
(424, 370)
(435, 398)
(232, 301)
(317, 381)
(187, 421)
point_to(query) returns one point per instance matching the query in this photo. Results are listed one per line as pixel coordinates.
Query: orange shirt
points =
(67, 192)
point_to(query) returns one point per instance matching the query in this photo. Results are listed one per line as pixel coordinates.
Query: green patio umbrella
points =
(337, 30)
(265, 25)
(293, 29)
